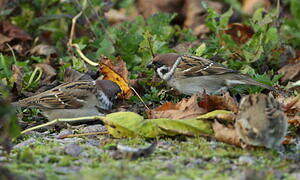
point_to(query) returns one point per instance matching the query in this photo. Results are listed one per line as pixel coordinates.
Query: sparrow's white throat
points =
(167, 76)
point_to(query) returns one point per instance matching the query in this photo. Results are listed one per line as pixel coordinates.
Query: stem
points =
(31, 79)
(139, 97)
(63, 120)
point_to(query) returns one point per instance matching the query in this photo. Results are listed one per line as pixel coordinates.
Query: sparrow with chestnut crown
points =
(74, 99)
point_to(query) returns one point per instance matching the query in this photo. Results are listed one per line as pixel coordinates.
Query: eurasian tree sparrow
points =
(74, 99)
(193, 74)
(261, 121)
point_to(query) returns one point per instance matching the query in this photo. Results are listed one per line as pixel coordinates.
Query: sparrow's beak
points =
(150, 65)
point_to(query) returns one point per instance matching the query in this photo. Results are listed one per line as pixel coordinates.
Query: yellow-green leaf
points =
(213, 114)
(123, 124)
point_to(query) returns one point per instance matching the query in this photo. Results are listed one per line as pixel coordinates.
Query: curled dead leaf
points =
(290, 71)
(118, 73)
(226, 135)
(133, 153)
(185, 109)
(116, 16)
(294, 121)
(13, 31)
(43, 49)
(291, 105)
(240, 33)
(250, 5)
(17, 38)
(289, 140)
(216, 102)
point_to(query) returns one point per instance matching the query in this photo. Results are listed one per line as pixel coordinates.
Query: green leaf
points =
(295, 8)
(4, 68)
(272, 36)
(106, 48)
(201, 49)
(190, 127)
(224, 19)
(123, 124)
(129, 124)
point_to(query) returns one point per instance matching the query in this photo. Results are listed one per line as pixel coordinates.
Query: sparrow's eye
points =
(157, 64)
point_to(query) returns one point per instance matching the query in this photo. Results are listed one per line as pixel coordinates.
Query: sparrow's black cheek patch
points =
(164, 71)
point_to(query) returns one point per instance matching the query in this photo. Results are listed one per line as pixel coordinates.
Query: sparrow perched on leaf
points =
(193, 74)
(74, 99)
(261, 121)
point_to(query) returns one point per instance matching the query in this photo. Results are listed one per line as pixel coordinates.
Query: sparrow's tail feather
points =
(15, 104)
(240, 79)
(20, 103)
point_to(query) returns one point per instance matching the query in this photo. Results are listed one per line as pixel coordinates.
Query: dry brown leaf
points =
(4, 39)
(291, 105)
(289, 140)
(118, 73)
(184, 47)
(240, 33)
(250, 5)
(150, 7)
(195, 15)
(215, 102)
(185, 109)
(15, 37)
(295, 121)
(17, 79)
(13, 31)
(226, 135)
(116, 16)
(43, 49)
(227, 117)
(291, 72)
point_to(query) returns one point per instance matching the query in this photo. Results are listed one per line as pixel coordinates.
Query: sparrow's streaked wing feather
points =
(192, 66)
(65, 96)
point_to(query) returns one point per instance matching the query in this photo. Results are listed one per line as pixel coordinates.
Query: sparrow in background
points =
(261, 121)
(74, 99)
(193, 74)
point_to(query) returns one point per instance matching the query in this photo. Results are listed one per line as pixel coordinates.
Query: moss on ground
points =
(176, 158)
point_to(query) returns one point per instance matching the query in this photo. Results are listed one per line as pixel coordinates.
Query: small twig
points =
(139, 97)
(74, 19)
(12, 51)
(77, 48)
(87, 60)
(83, 134)
(62, 120)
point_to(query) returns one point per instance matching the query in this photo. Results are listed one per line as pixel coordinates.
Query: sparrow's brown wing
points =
(65, 96)
(192, 66)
